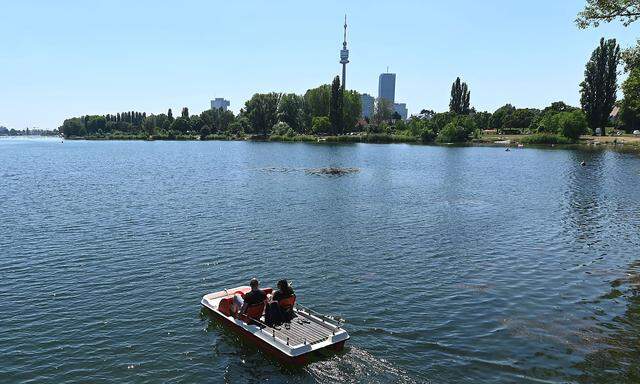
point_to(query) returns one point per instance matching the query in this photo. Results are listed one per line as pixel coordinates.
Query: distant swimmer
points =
(507, 150)
(584, 163)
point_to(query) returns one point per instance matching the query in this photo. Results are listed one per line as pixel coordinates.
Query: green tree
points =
(546, 120)
(558, 106)
(170, 115)
(630, 109)
(452, 133)
(460, 97)
(149, 125)
(521, 118)
(457, 130)
(95, 124)
(501, 115)
(572, 124)
(239, 126)
(262, 111)
(598, 90)
(204, 132)
(291, 111)
(383, 111)
(352, 109)
(631, 57)
(336, 107)
(317, 100)
(320, 125)
(282, 129)
(597, 11)
(196, 123)
(481, 119)
(72, 127)
(185, 112)
(217, 119)
(181, 124)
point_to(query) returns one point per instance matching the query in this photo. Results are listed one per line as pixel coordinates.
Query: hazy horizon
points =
(73, 58)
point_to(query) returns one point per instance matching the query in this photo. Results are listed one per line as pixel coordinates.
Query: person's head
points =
(254, 283)
(283, 285)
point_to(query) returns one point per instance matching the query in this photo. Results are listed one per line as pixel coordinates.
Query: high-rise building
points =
(220, 103)
(401, 109)
(368, 103)
(344, 56)
(387, 87)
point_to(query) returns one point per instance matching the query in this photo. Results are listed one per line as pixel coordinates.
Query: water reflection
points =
(617, 358)
(585, 195)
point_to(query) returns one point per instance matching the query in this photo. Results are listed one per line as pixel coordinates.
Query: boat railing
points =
(325, 319)
(271, 331)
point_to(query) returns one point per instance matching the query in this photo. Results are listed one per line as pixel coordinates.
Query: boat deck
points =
(301, 330)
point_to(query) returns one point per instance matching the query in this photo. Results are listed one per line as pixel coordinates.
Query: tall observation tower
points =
(344, 56)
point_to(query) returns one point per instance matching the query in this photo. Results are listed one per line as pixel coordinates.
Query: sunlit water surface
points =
(449, 265)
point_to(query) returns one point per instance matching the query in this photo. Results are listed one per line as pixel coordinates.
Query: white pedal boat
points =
(294, 342)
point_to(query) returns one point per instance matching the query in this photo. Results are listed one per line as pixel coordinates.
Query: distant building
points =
(387, 87)
(368, 103)
(219, 102)
(402, 110)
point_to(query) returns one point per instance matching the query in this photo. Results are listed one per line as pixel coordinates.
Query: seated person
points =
(254, 297)
(281, 308)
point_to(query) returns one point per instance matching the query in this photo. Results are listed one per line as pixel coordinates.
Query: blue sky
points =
(69, 58)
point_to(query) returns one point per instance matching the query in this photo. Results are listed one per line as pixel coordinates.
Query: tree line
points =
(331, 110)
(324, 110)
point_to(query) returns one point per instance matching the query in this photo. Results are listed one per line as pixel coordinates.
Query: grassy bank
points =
(616, 141)
(359, 138)
(628, 142)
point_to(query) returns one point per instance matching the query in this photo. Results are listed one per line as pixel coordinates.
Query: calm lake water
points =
(450, 265)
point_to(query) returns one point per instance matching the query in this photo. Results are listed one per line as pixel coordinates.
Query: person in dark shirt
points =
(255, 296)
(284, 291)
(280, 309)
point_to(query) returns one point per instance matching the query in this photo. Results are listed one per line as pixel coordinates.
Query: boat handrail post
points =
(322, 317)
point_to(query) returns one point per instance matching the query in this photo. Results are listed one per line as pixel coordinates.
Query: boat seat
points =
(225, 306)
(287, 303)
(253, 312)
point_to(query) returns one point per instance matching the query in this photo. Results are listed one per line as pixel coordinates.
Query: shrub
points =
(282, 129)
(452, 133)
(545, 138)
(427, 136)
(296, 138)
(572, 124)
(320, 124)
(204, 132)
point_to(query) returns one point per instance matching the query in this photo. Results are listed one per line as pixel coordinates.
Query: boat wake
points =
(357, 366)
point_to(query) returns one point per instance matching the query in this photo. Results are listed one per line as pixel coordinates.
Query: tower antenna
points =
(344, 44)
(344, 56)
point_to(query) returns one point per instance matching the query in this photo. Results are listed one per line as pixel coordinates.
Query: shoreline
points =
(626, 143)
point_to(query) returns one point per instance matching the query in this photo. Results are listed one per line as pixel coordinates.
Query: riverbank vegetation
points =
(329, 113)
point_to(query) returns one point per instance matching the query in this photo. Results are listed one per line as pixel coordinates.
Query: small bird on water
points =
(584, 163)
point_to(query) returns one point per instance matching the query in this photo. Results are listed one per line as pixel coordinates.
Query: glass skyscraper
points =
(387, 87)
